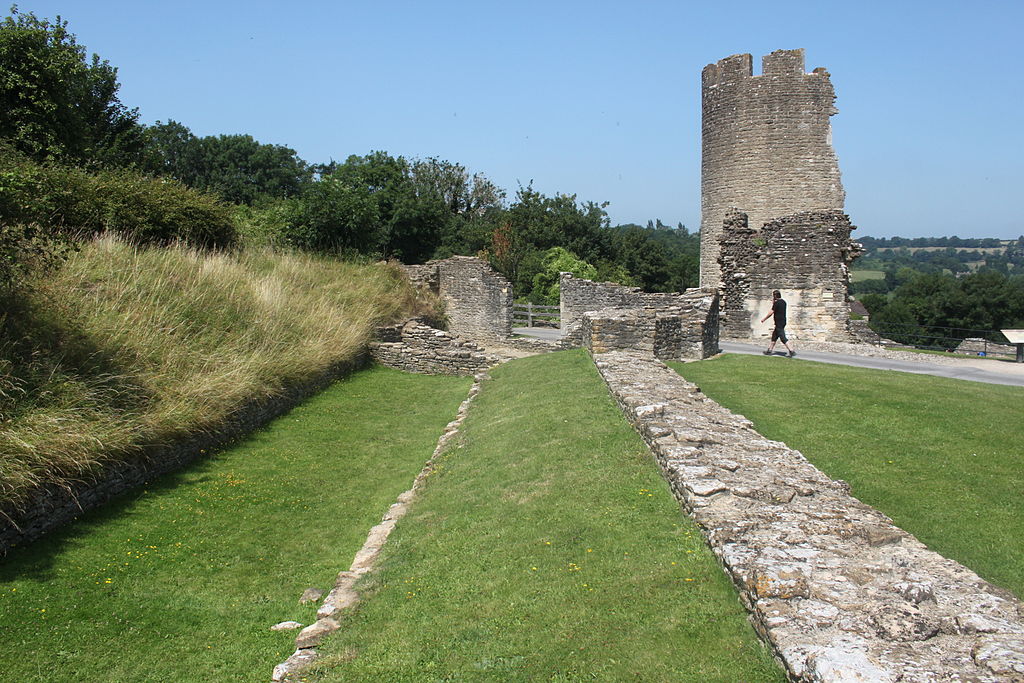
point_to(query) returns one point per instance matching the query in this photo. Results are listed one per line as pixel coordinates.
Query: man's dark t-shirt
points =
(779, 311)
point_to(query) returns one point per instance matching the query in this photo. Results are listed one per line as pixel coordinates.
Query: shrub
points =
(139, 208)
(25, 249)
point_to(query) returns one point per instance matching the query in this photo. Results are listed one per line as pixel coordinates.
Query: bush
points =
(139, 208)
(25, 249)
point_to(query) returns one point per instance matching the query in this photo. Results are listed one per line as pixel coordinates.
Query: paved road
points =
(546, 333)
(989, 371)
(974, 370)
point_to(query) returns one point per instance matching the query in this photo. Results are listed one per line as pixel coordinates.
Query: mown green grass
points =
(858, 275)
(182, 581)
(546, 546)
(942, 457)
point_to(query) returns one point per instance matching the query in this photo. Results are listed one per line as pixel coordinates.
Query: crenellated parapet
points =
(766, 145)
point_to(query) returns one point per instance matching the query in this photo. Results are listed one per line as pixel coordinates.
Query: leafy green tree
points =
(57, 105)
(333, 215)
(546, 283)
(873, 302)
(238, 167)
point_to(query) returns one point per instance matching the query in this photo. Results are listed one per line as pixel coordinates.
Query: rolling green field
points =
(942, 457)
(859, 275)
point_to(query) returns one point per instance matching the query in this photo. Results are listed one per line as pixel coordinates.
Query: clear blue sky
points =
(599, 99)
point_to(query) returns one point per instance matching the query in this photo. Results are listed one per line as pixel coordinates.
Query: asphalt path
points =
(995, 372)
(973, 370)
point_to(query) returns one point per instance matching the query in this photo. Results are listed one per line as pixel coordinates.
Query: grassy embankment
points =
(942, 457)
(546, 546)
(123, 347)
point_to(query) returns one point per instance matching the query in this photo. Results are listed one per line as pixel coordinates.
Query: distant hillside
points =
(937, 254)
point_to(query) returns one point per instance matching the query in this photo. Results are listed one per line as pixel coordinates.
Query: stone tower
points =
(766, 146)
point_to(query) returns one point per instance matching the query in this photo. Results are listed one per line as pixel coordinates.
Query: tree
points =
(547, 286)
(238, 167)
(57, 105)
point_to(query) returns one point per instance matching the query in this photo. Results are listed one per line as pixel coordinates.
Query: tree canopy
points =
(55, 104)
(237, 167)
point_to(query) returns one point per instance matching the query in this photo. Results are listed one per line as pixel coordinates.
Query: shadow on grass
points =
(35, 560)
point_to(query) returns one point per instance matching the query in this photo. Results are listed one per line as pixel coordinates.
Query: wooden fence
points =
(536, 315)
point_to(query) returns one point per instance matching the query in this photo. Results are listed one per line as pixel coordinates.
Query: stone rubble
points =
(837, 590)
(414, 346)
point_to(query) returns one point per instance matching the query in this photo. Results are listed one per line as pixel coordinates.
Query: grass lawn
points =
(182, 581)
(547, 547)
(942, 457)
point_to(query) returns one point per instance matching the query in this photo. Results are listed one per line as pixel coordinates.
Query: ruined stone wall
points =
(805, 256)
(478, 299)
(669, 326)
(580, 295)
(766, 145)
(416, 347)
(832, 585)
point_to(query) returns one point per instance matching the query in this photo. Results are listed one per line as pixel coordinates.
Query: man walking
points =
(779, 311)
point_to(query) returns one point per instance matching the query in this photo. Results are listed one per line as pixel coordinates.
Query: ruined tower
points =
(766, 146)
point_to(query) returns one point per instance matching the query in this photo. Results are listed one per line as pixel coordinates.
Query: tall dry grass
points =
(126, 347)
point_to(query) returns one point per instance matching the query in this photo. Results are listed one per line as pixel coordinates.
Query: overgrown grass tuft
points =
(942, 457)
(125, 347)
(546, 546)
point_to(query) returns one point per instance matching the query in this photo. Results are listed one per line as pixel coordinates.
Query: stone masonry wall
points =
(670, 333)
(805, 256)
(478, 299)
(416, 347)
(53, 507)
(580, 296)
(766, 145)
(838, 591)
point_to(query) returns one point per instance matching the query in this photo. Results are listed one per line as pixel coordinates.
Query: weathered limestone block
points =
(837, 590)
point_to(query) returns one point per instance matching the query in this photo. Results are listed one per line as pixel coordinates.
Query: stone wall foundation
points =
(838, 591)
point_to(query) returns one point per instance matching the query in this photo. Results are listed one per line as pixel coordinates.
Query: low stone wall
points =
(838, 591)
(679, 325)
(972, 346)
(673, 333)
(416, 347)
(805, 256)
(52, 507)
(579, 296)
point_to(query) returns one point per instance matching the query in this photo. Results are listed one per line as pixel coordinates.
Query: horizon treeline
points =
(75, 160)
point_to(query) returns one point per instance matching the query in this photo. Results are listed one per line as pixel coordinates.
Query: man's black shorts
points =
(780, 333)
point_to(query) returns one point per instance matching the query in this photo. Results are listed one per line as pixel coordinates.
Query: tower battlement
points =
(766, 145)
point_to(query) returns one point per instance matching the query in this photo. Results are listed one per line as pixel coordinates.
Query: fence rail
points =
(935, 337)
(536, 315)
